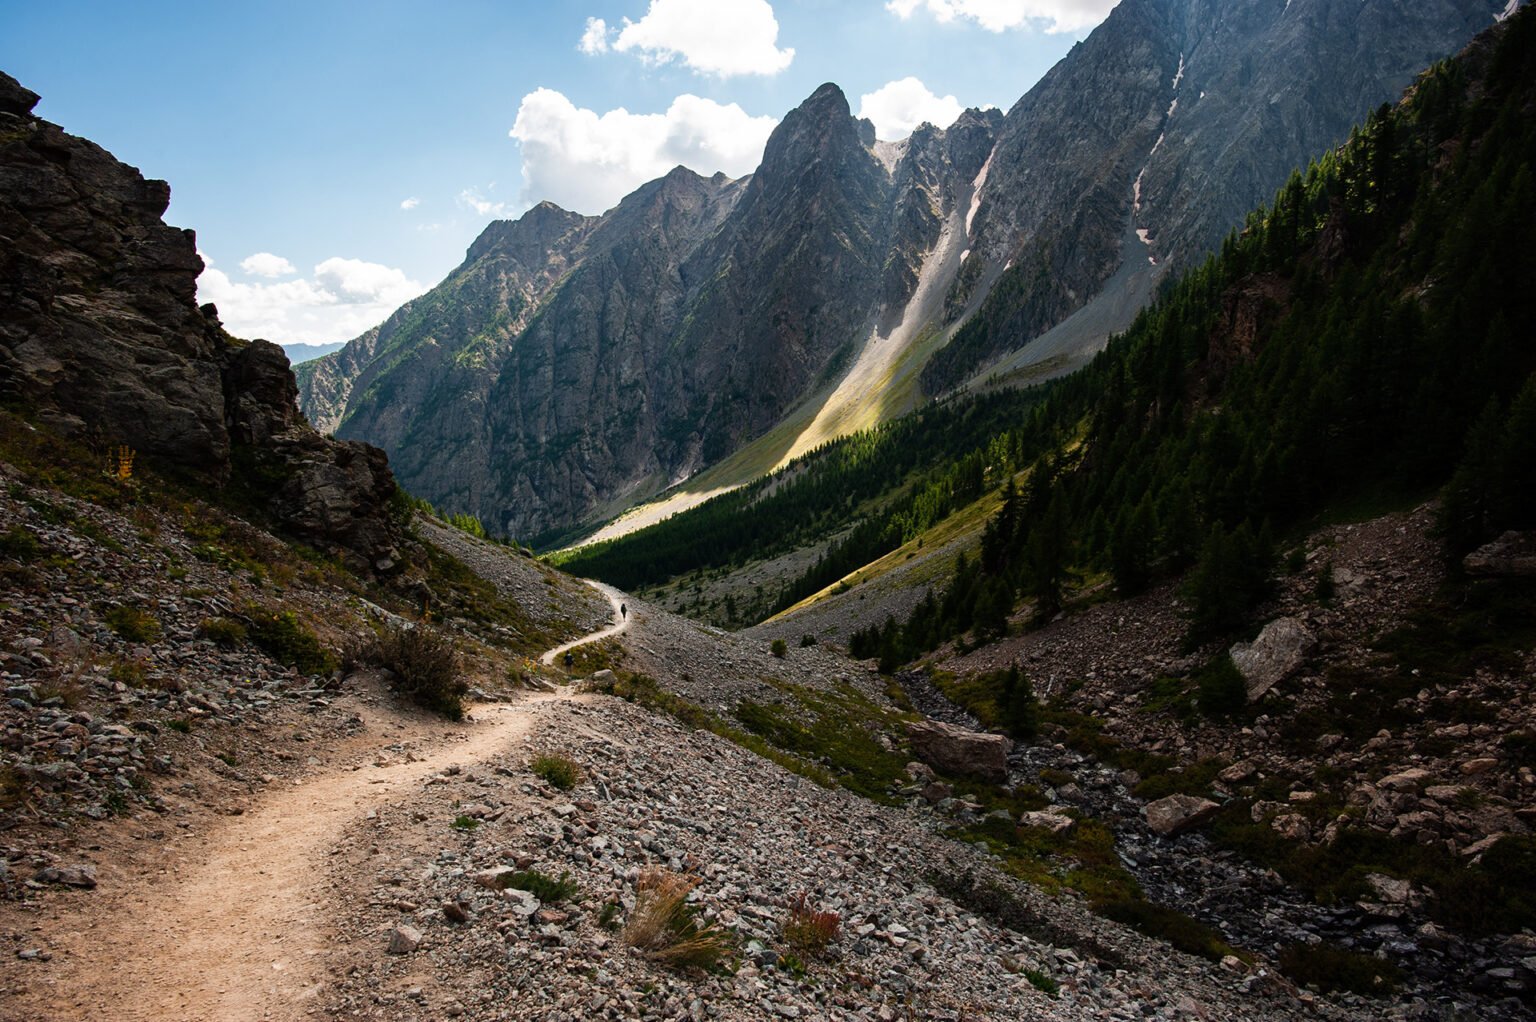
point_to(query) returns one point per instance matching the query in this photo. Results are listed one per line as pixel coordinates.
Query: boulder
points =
(1408, 780)
(1050, 820)
(1178, 813)
(954, 750)
(1512, 554)
(1281, 648)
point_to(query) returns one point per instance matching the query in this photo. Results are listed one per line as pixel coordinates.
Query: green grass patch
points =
(132, 624)
(286, 639)
(556, 770)
(1330, 969)
(542, 886)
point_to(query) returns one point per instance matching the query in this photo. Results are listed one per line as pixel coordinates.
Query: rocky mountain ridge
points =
(102, 340)
(808, 298)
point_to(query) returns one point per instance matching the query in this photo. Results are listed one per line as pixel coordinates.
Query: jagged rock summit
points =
(101, 339)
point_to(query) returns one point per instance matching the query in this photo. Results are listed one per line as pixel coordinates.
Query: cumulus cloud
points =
(265, 264)
(713, 37)
(1001, 15)
(595, 39)
(409, 204)
(341, 299)
(898, 107)
(586, 161)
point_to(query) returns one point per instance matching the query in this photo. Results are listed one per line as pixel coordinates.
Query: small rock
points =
(1178, 813)
(404, 939)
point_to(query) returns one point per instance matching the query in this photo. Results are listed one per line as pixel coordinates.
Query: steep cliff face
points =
(1170, 121)
(575, 365)
(101, 339)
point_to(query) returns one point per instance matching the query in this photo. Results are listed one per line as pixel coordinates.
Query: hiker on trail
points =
(570, 658)
(624, 611)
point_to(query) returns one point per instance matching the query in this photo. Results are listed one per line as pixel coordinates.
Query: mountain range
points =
(575, 366)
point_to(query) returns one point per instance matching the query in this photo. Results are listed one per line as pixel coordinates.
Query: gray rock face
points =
(1200, 110)
(1281, 648)
(101, 338)
(1178, 813)
(574, 365)
(954, 750)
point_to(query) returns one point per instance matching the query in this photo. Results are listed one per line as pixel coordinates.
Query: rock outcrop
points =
(1178, 813)
(102, 340)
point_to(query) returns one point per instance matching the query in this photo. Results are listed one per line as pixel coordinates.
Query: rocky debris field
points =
(1307, 760)
(439, 921)
(547, 596)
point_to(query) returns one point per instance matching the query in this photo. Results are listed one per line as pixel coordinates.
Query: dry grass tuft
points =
(808, 932)
(665, 927)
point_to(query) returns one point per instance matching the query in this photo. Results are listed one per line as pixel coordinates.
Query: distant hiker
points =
(570, 658)
(624, 611)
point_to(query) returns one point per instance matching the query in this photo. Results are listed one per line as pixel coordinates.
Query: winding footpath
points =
(235, 926)
(620, 623)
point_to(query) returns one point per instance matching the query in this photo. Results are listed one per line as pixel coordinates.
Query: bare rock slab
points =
(954, 750)
(1178, 813)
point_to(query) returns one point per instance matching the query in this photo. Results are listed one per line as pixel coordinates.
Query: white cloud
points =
(898, 107)
(587, 161)
(595, 39)
(713, 37)
(343, 298)
(265, 264)
(470, 198)
(409, 204)
(1001, 15)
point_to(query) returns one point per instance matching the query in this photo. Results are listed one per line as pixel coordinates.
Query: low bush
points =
(1223, 690)
(132, 624)
(18, 544)
(779, 649)
(424, 664)
(666, 928)
(286, 639)
(1330, 969)
(1042, 982)
(1183, 932)
(557, 770)
(224, 632)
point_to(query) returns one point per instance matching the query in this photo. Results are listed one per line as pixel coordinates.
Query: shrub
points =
(286, 639)
(424, 664)
(1042, 982)
(779, 649)
(808, 932)
(17, 544)
(132, 673)
(557, 770)
(1188, 935)
(665, 927)
(132, 624)
(542, 886)
(222, 631)
(1331, 969)
(181, 724)
(463, 822)
(1223, 691)
(807, 641)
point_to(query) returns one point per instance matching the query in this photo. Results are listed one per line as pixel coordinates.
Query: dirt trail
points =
(235, 927)
(620, 622)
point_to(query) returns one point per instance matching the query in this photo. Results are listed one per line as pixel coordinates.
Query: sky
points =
(337, 158)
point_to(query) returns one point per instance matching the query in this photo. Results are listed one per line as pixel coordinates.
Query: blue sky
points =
(337, 158)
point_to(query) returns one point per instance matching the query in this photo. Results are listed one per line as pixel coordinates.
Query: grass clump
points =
(546, 888)
(1331, 969)
(1183, 932)
(424, 664)
(465, 822)
(286, 639)
(665, 927)
(808, 931)
(132, 624)
(224, 632)
(779, 648)
(556, 770)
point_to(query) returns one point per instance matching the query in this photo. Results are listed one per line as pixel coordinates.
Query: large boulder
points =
(954, 750)
(1511, 555)
(1178, 813)
(1281, 648)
